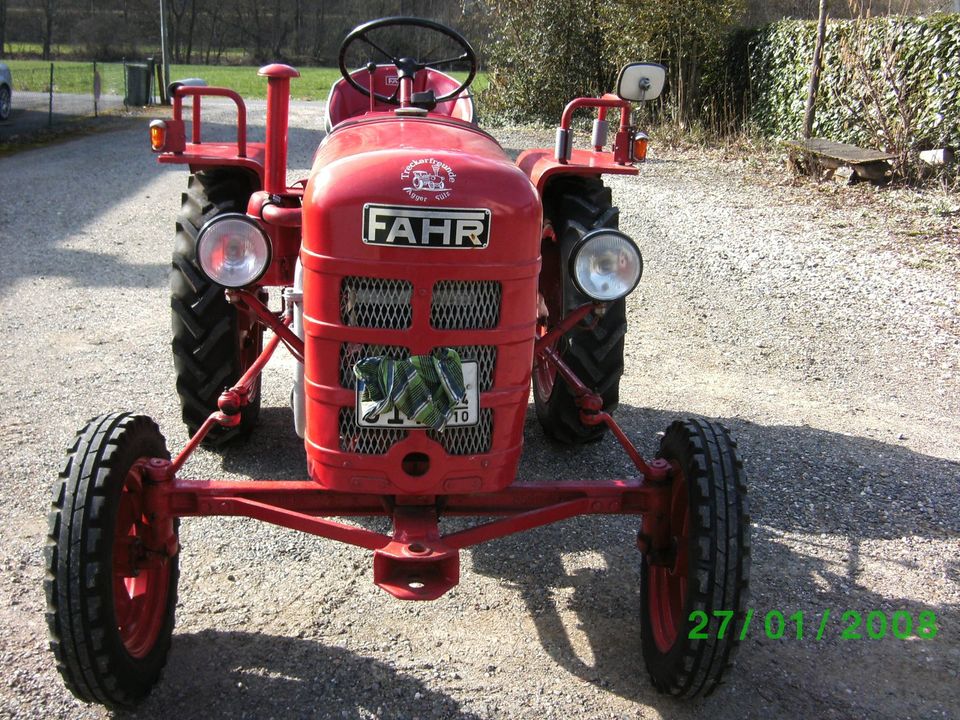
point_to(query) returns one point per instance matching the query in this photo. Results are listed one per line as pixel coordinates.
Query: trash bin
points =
(138, 84)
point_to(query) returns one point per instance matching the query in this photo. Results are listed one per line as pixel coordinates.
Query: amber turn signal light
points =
(640, 144)
(158, 135)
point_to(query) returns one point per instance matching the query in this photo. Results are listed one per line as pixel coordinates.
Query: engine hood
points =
(416, 183)
(378, 132)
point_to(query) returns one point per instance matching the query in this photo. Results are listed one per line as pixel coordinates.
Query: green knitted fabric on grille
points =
(425, 388)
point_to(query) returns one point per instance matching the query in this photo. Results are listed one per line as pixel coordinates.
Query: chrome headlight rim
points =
(583, 242)
(206, 235)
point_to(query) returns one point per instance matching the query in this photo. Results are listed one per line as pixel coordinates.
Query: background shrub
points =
(890, 82)
(544, 54)
(887, 82)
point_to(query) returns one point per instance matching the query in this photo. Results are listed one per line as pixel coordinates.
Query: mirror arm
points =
(621, 152)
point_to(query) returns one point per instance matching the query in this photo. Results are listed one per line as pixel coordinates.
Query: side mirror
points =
(640, 82)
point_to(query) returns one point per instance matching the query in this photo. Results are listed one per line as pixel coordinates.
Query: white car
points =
(6, 86)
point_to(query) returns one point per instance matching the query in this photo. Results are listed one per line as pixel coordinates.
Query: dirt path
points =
(819, 325)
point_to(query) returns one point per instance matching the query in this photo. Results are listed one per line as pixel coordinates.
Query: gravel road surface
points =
(819, 322)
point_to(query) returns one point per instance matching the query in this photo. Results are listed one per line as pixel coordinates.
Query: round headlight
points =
(233, 250)
(606, 265)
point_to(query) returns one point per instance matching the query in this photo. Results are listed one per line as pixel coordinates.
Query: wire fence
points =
(50, 95)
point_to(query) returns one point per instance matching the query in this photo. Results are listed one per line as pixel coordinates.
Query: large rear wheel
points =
(594, 350)
(694, 600)
(213, 342)
(111, 593)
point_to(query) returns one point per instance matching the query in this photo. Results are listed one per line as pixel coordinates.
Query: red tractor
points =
(426, 280)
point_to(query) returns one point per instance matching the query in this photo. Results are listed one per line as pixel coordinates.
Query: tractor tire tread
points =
(77, 582)
(206, 358)
(594, 353)
(720, 551)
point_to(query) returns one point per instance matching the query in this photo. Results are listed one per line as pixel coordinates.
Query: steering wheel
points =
(406, 67)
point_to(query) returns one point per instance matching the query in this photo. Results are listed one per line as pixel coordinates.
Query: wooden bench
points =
(830, 156)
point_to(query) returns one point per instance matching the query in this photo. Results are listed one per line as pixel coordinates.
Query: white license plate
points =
(466, 413)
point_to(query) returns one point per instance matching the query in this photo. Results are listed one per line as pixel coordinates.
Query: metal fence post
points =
(96, 89)
(50, 112)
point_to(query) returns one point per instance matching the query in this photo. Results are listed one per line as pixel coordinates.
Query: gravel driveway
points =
(31, 112)
(820, 323)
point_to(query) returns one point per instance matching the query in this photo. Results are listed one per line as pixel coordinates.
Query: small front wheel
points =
(111, 588)
(694, 599)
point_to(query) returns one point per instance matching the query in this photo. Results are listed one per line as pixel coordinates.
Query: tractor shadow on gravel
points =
(215, 674)
(839, 523)
(822, 533)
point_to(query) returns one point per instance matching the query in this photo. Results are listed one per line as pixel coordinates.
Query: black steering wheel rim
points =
(359, 32)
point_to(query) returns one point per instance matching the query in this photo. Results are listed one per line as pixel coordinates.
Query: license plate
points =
(466, 413)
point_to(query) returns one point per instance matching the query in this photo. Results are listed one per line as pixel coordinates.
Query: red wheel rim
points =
(545, 374)
(139, 591)
(667, 586)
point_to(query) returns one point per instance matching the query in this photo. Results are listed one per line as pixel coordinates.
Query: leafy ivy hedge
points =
(891, 82)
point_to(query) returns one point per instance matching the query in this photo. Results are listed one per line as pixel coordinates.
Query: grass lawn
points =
(77, 77)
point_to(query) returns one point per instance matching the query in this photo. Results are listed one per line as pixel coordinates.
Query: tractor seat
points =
(346, 102)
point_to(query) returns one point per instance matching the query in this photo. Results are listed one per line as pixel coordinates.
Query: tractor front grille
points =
(470, 440)
(377, 441)
(486, 358)
(456, 305)
(465, 305)
(352, 353)
(365, 440)
(376, 303)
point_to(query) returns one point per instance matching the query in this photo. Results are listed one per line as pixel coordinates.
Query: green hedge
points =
(542, 56)
(866, 63)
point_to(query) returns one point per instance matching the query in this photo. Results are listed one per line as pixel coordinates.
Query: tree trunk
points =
(165, 47)
(214, 31)
(298, 28)
(3, 26)
(817, 65)
(175, 30)
(190, 27)
(319, 32)
(49, 10)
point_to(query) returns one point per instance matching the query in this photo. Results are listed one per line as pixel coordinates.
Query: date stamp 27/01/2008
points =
(852, 625)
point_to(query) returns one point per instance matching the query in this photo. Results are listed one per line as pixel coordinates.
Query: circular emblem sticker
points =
(428, 179)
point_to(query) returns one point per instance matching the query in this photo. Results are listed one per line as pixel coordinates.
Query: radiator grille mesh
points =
(467, 440)
(376, 303)
(363, 440)
(465, 305)
(387, 304)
